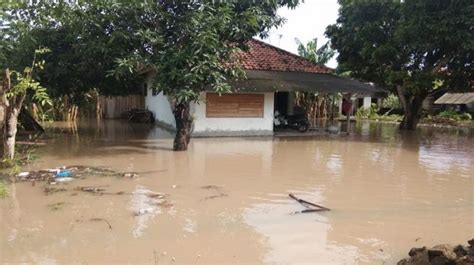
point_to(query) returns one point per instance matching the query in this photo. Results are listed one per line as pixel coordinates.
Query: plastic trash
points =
(53, 170)
(23, 174)
(130, 175)
(143, 211)
(63, 179)
(64, 174)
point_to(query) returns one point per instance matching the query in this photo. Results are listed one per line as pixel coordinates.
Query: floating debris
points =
(130, 175)
(144, 211)
(155, 195)
(23, 174)
(311, 207)
(215, 189)
(56, 206)
(216, 196)
(64, 173)
(63, 179)
(163, 204)
(103, 220)
(90, 189)
(68, 173)
(94, 219)
(51, 190)
(145, 205)
(211, 187)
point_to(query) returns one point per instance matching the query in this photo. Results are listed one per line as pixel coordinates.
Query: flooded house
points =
(273, 75)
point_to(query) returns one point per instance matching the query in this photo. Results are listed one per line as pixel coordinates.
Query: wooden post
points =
(348, 120)
(348, 109)
(331, 110)
(3, 104)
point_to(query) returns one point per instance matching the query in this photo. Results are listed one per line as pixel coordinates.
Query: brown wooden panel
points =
(234, 105)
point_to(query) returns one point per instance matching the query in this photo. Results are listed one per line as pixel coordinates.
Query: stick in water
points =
(306, 203)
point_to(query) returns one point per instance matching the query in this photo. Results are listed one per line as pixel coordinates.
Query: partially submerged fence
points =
(113, 107)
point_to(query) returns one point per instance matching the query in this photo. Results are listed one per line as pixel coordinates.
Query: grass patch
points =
(3, 189)
(24, 154)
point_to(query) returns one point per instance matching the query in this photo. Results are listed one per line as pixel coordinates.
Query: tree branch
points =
(441, 63)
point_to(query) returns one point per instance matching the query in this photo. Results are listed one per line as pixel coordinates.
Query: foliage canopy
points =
(412, 47)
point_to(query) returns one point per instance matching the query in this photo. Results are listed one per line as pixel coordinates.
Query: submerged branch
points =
(306, 203)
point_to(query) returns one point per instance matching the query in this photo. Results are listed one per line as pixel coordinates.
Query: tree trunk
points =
(3, 108)
(12, 110)
(9, 134)
(98, 107)
(412, 105)
(412, 115)
(184, 122)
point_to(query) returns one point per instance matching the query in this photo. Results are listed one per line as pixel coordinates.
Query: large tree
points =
(86, 39)
(412, 47)
(191, 45)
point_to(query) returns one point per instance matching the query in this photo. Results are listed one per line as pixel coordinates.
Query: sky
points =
(307, 21)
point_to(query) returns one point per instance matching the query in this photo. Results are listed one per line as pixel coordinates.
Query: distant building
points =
(458, 101)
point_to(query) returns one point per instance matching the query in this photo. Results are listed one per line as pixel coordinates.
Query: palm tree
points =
(311, 51)
(315, 104)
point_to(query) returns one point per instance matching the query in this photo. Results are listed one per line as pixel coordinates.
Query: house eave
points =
(271, 81)
(456, 98)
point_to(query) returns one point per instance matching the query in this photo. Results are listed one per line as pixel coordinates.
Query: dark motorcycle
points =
(296, 122)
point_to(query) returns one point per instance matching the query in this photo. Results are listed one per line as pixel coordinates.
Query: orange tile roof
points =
(263, 56)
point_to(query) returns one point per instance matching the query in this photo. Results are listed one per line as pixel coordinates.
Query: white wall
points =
(204, 126)
(160, 106)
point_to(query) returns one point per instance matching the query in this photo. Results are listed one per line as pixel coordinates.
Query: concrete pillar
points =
(355, 104)
(367, 102)
(379, 102)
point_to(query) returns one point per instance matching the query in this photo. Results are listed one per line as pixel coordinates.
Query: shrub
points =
(366, 113)
(452, 114)
(3, 189)
(391, 102)
(466, 116)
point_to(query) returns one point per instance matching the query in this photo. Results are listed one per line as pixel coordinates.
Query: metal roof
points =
(456, 98)
(267, 81)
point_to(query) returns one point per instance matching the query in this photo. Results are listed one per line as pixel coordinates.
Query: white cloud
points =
(307, 21)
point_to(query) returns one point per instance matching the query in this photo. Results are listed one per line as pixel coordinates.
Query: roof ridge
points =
(291, 54)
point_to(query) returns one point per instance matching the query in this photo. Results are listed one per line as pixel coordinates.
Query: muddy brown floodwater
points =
(227, 198)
